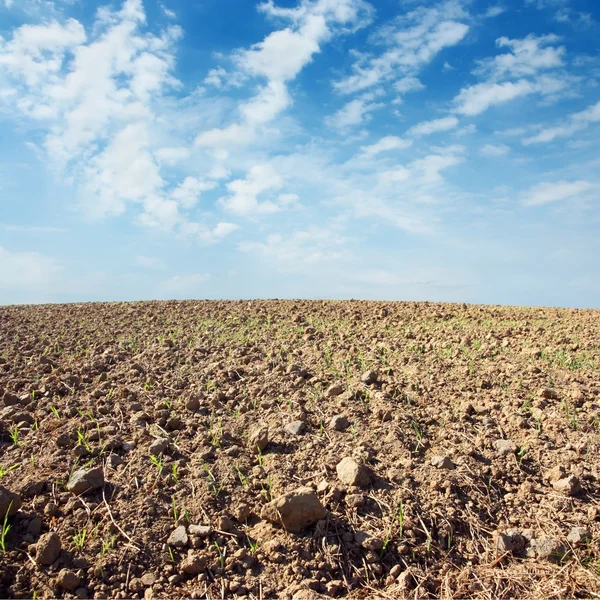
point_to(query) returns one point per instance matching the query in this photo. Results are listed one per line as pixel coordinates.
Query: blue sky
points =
(316, 148)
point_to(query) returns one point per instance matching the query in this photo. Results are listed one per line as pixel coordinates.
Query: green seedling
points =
(79, 539)
(14, 435)
(243, 479)
(5, 470)
(157, 462)
(108, 544)
(253, 544)
(5, 529)
(213, 484)
(175, 472)
(54, 411)
(221, 555)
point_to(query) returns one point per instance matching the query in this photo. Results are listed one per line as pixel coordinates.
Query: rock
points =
(296, 427)
(339, 423)
(178, 537)
(225, 524)
(193, 404)
(81, 593)
(201, 531)
(367, 541)
(86, 480)
(193, 565)
(113, 461)
(351, 472)
(354, 500)
(548, 394)
(129, 446)
(68, 580)
(258, 439)
(369, 377)
(334, 390)
(505, 447)
(10, 502)
(295, 510)
(547, 547)
(578, 536)
(22, 417)
(48, 548)
(555, 473)
(510, 541)
(158, 446)
(442, 462)
(10, 399)
(569, 485)
(241, 513)
(136, 586)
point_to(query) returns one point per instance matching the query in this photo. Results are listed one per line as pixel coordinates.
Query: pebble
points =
(568, 485)
(295, 428)
(201, 531)
(86, 480)
(334, 390)
(353, 473)
(193, 565)
(578, 536)
(68, 580)
(505, 447)
(10, 502)
(158, 446)
(369, 377)
(178, 537)
(442, 462)
(258, 439)
(339, 423)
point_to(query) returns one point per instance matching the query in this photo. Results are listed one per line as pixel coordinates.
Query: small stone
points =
(193, 404)
(86, 480)
(241, 513)
(10, 399)
(201, 531)
(295, 510)
(442, 462)
(355, 500)
(178, 537)
(334, 390)
(395, 571)
(225, 524)
(555, 473)
(367, 541)
(10, 502)
(504, 543)
(48, 548)
(353, 473)
(369, 377)
(258, 439)
(81, 593)
(322, 486)
(68, 580)
(158, 446)
(505, 447)
(296, 427)
(548, 394)
(193, 565)
(333, 587)
(113, 461)
(22, 417)
(136, 586)
(569, 486)
(339, 423)
(547, 547)
(148, 579)
(129, 446)
(578, 536)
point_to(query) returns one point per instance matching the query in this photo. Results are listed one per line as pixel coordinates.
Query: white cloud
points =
(408, 84)
(95, 96)
(26, 270)
(520, 72)
(315, 244)
(354, 113)
(575, 122)
(244, 193)
(433, 126)
(390, 142)
(412, 42)
(547, 192)
(495, 150)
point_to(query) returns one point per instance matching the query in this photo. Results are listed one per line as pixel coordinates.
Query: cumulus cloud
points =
(433, 126)
(354, 113)
(494, 150)
(385, 144)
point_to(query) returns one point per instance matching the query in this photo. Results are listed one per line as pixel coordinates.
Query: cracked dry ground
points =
(299, 449)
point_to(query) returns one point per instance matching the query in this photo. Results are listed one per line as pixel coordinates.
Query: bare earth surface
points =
(299, 449)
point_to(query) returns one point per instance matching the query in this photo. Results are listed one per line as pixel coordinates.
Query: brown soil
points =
(460, 434)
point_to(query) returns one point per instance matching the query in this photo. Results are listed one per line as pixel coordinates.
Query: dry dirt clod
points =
(569, 485)
(578, 536)
(339, 423)
(86, 480)
(367, 541)
(68, 580)
(295, 510)
(10, 502)
(10, 399)
(193, 564)
(158, 446)
(555, 473)
(258, 439)
(442, 462)
(353, 473)
(548, 393)
(334, 390)
(547, 547)
(48, 548)
(295, 428)
(369, 377)
(201, 531)
(178, 538)
(505, 447)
